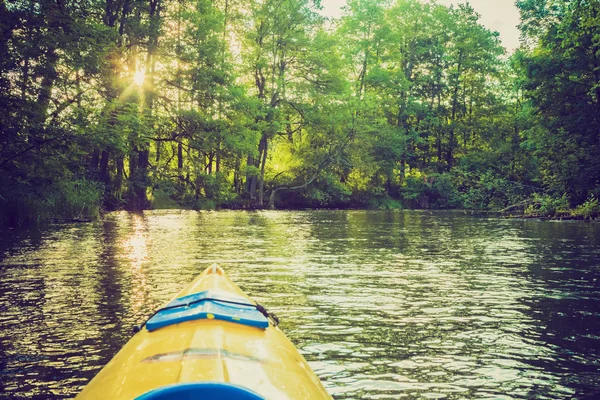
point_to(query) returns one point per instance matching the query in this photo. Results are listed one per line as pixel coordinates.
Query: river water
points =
(383, 305)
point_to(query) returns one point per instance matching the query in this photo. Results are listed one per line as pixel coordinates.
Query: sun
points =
(138, 77)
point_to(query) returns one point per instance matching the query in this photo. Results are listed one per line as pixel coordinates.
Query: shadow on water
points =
(382, 304)
(568, 320)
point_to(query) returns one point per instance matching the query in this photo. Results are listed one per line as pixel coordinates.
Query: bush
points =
(444, 193)
(488, 190)
(589, 209)
(25, 204)
(204, 204)
(435, 191)
(545, 205)
(163, 195)
(215, 187)
(73, 199)
(206, 192)
(384, 203)
(19, 209)
(326, 191)
(415, 192)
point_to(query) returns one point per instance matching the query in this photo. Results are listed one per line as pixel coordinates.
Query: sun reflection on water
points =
(136, 250)
(136, 245)
(382, 304)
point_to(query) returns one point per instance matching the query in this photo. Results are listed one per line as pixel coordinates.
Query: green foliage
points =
(326, 192)
(434, 191)
(164, 195)
(384, 203)
(20, 208)
(562, 81)
(488, 190)
(204, 204)
(79, 199)
(415, 192)
(589, 209)
(548, 206)
(444, 193)
(76, 199)
(215, 187)
(403, 103)
(335, 193)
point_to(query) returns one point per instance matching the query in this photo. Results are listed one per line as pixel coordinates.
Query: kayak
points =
(210, 342)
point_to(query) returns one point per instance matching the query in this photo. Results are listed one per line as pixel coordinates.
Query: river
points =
(383, 305)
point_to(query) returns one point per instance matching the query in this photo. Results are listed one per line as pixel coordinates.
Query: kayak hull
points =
(263, 361)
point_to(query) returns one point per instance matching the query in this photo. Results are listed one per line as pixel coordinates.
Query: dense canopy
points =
(247, 104)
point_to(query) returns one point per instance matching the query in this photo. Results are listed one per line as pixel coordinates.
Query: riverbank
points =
(556, 209)
(83, 201)
(559, 218)
(573, 215)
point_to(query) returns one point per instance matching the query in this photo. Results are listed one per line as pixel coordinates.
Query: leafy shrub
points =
(384, 203)
(73, 199)
(164, 195)
(589, 209)
(488, 190)
(18, 208)
(433, 191)
(326, 191)
(368, 197)
(317, 197)
(444, 193)
(215, 187)
(205, 204)
(414, 192)
(545, 205)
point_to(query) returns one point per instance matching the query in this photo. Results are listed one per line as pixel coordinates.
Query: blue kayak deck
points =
(208, 304)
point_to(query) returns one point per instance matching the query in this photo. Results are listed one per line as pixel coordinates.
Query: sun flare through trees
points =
(265, 103)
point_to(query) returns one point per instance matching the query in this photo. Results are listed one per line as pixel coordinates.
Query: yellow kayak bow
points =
(211, 342)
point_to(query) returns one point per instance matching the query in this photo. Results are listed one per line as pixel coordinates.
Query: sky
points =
(497, 15)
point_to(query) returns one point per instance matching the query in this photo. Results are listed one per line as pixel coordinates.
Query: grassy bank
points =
(83, 199)
(27, 204)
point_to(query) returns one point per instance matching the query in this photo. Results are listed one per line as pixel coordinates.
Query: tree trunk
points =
(141, 185)
(439, 147)
(180, 161)
(46, 86)
(141, 180)
(119, 177)
(402, 171)
(218, 156)
(132, 163)
(103, 174)
(250, 179)
(262, 171)
(94, 163)
(450, 152)
(236, 176)
(209, 163)
(272, 198)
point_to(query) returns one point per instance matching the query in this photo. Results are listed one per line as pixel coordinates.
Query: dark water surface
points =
(384, 305)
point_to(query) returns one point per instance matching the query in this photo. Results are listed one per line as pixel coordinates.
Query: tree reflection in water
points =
(382, 304)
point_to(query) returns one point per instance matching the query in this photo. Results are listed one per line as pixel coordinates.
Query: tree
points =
(276, 45)
(563, 84)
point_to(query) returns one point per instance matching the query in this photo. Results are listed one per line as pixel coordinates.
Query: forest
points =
(248, 104)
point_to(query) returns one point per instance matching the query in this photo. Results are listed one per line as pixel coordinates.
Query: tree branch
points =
(33, 146)
(322, 165)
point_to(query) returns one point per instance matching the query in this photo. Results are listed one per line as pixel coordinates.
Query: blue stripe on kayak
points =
(201, 390)
(202, 306)
(209, 294)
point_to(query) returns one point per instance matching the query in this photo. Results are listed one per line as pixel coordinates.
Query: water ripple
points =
(384, 305)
